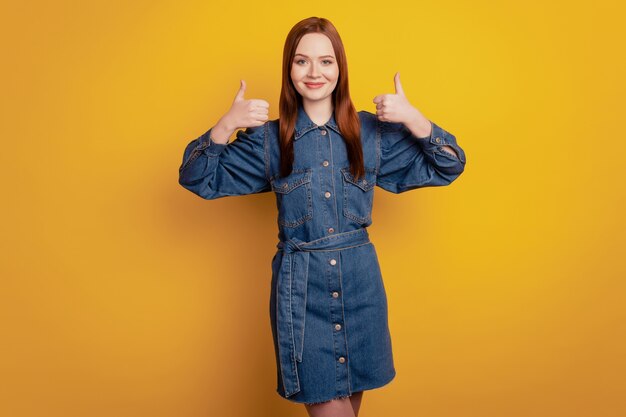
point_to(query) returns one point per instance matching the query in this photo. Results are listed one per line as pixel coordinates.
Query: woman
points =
(322, 159)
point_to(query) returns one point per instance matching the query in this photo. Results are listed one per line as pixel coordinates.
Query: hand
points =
(395, 107)
(246, 113)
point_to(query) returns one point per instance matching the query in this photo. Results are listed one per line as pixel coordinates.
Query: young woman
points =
(322, 159)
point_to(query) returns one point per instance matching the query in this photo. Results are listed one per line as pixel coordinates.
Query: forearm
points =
(419, 125)
(222, 131)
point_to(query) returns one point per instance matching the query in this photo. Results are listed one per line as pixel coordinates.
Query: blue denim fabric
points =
(328, 307)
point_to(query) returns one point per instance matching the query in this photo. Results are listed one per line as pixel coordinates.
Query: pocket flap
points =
(292, 181)
(366, 183)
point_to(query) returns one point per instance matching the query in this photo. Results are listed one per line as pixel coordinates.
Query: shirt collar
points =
(304, 123)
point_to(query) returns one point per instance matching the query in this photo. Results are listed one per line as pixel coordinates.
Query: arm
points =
(213, 170)
(414, 152)
(408, 162)
(213, 167)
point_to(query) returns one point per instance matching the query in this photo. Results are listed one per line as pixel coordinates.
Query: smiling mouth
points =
(314, 85)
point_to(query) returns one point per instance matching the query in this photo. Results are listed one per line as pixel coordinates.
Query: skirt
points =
(347, 344)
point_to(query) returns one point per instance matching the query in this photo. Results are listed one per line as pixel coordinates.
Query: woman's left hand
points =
(395, 107)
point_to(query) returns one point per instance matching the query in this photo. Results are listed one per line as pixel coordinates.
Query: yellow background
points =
(123, 294)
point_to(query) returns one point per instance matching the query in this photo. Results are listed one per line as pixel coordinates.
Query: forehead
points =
(315, 44)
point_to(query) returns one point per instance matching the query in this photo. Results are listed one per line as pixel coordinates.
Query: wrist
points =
(222, 131)
(419, 125)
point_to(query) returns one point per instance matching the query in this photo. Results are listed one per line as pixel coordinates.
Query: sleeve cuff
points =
(440, 137)
(207, 144)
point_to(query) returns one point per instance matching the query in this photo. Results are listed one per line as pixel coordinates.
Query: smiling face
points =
(314, 70)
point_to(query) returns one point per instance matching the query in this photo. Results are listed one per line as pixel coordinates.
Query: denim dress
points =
(328, 306)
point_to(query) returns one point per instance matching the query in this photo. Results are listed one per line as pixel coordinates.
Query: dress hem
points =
(357, 389)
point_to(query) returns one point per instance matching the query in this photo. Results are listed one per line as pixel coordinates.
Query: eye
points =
(328, 60)
(300, 60)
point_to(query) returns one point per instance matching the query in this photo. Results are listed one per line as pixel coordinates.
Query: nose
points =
(313, 73)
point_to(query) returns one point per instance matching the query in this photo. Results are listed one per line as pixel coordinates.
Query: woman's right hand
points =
(242, 114)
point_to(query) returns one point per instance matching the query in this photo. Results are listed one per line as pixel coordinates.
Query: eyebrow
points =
(323, 56)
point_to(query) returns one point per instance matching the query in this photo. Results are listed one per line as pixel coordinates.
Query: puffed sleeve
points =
(213, 170)
(408, 162)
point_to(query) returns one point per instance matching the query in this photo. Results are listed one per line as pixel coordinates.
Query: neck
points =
(318, 111)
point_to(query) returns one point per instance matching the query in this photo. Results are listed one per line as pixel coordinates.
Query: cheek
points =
(294, 73)
(333, 74)
(295, 79)
(297, 73)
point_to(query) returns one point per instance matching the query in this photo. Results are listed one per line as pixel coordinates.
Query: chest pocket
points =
(358, 196)
(293, 198)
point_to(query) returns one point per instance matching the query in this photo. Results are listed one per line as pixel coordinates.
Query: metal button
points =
(327, 194)
(335, 294)
(331, 230)
(437, 140)
(337, 326)
(342, 359)
(325, 163)
(323, 132)
(333, 262)
(285, 185)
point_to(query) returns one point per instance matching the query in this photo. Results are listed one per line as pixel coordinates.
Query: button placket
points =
(342, 380)
(327, 195)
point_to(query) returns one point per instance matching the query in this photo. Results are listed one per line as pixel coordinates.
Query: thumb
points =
(241, 91)
(396, 80)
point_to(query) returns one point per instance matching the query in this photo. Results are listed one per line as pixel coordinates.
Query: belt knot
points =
(289, 245)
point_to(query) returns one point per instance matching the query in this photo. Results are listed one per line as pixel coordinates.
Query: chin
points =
(313, 95)
(315, 98)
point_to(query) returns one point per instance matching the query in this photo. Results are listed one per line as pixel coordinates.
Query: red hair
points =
(345, 114)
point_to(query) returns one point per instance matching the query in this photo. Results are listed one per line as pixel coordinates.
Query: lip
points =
(314, 85)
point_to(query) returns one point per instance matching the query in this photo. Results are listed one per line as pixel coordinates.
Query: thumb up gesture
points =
(245, 113)
(396, 107)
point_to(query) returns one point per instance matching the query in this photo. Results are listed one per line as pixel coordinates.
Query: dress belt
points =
(291, 296)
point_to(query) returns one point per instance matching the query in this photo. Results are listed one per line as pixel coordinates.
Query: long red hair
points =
(345, 114)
